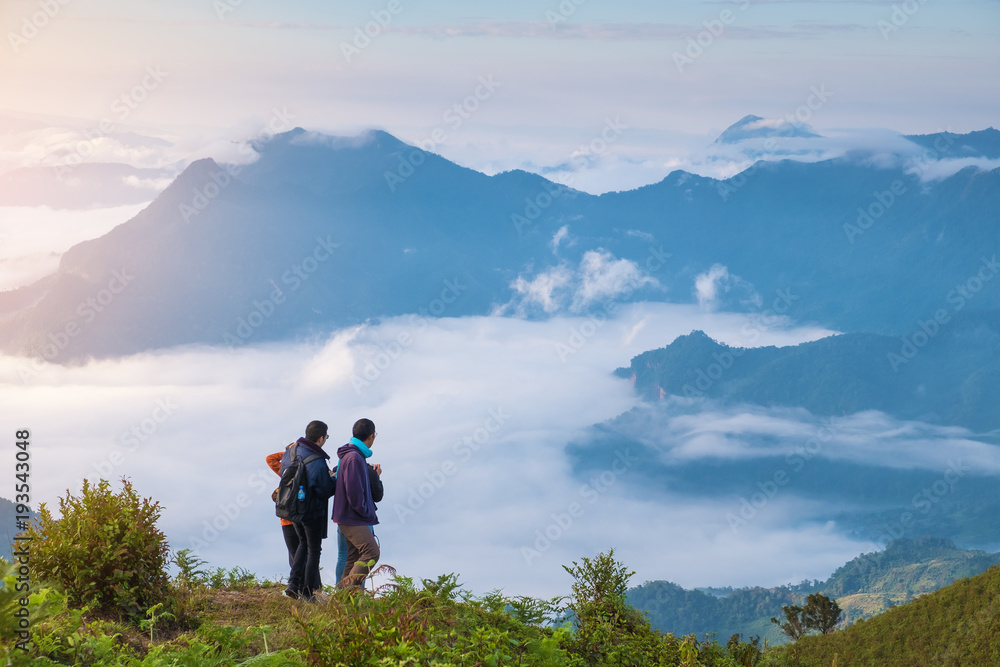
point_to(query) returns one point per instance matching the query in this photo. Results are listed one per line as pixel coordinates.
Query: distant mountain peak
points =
(980, 143)
(298, 136)
(755, 127)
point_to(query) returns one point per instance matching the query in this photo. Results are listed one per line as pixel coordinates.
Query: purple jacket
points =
(352, 503)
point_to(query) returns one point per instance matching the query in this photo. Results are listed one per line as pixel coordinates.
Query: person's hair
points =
(315, 430)
(364, 429)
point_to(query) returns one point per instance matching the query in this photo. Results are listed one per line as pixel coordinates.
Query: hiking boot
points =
(289, 593)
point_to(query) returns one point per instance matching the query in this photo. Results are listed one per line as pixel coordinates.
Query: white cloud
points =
(543, 290)
(604, 278)
(684, 430)
(71, 145)
(937, 170)
(599, 278)
(706, 285)
(709, 287)
(155, 184)
(191, 428)
(558, 238)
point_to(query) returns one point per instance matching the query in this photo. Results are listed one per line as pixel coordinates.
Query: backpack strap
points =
(293, 453)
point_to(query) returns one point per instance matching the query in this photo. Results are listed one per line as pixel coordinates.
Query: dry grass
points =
(257, 610)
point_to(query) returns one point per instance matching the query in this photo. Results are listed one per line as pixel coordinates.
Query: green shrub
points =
(104, 551)
(611, 632)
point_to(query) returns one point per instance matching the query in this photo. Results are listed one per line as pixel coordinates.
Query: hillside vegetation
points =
(958, 626)
(867, 585)
(106, 599)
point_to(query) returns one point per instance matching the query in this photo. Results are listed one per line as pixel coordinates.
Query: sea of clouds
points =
(473, 416)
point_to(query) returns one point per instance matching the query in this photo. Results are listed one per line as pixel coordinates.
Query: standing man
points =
(353, 506)
(374, 480)
(304, 580)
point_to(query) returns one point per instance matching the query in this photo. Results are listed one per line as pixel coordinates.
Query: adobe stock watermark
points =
(816, 99)
(900, 16)
(228, 513)
(463, 450)
(714, 29)
(293, 278)
(928, 329)
(867, 216)
(87, 310)
(581, 158)
(454, 117)
(138, 434)
(562, 522)
(378, 363)
(768, 318)
(705, 378)
(219, 180)
(562, 13)
(32, 25)
(364, 35)
(768, 488)
(223, 7)
(534, 206)
(578, 335)
(122, 107)
(924, 501)
(885, 199)
(929, 156)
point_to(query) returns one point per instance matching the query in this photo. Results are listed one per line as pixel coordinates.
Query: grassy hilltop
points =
(102, 597)
(864, 587)
(958, 625)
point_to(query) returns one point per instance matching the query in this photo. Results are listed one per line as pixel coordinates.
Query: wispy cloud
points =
(599, 277)
(615, 31)
(473, 416)
(711, 288)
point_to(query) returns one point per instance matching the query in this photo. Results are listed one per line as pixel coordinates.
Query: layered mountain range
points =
(321, 232)
(953, 378)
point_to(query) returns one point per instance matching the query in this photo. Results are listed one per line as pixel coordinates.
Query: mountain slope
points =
(951, 379)
(957, 625)
(304, 239)
(867, 585)
(983, 143)
(323, 232)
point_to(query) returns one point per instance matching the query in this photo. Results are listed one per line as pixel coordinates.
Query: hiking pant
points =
(361, 548)
(304, 577)
(291, 541)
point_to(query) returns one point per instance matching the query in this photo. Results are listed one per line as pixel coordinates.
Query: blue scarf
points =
(362, 446)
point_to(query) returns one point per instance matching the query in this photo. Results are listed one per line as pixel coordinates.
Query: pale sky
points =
(206, 69)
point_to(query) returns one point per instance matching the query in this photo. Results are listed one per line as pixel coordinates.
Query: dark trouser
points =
(291, 541)
(361, 548)
(304, 577)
